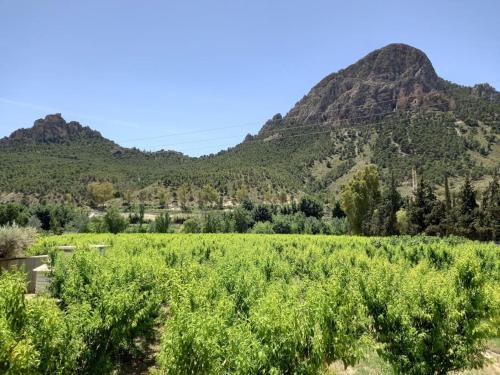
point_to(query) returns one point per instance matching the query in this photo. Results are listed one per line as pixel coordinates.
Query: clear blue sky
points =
(142, 69)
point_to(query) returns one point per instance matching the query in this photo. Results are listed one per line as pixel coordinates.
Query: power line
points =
(240, 126)
(292, 128)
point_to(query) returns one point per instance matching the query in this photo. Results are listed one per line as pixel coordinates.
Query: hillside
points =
(389, 108)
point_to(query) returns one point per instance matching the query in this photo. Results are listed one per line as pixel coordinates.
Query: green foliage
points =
(360, 197)
(263, 227)
(11, 213)
(243, 219)
(192, 225)
(240, 304)
(337, 211)
(311, 207)
(100, 192)
(262, 213)
(161, 224)
(114, 221)
(15, 240)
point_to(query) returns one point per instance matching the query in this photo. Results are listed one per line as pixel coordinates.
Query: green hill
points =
(389, 108)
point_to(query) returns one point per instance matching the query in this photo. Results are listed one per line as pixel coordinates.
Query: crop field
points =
(253, 304)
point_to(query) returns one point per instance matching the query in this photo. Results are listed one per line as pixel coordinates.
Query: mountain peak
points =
(395, 62)
(53, 129)
(395, 77)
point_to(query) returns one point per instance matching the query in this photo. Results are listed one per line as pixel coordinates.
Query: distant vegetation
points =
(366, 205)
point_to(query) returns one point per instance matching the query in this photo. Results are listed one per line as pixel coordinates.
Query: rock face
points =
(53, 129)
(485, 91)
(397, 76)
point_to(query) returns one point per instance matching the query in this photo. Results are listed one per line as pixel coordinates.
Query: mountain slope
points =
(56, 157)
(389, 108)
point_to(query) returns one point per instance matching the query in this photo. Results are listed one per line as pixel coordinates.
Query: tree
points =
(467, 198)
(391, 203)
(115, 222)
(207, 195)
(243, 220)
(161, 223)
(100, 192)
(447, 196)
(311, 207)
(241, 194)
(424, 209)
(360, 196)
(467, 209)
(262, 213)
(247, 204)
(490, 211)
(182, 195)
(337, 211)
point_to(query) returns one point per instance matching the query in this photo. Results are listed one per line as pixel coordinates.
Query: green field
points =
(254, 304)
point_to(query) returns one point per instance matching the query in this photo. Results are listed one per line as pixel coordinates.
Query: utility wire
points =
(241, 126)
(270, 133)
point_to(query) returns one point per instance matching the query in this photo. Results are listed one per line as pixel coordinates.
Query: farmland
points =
(250, 304)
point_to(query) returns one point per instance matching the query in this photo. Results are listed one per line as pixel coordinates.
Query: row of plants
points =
(240, 304)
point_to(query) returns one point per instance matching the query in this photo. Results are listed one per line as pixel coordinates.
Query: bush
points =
(263, 228)
(191, 225)
(115, 222)
(79, 224)
(14, 240)
(339, 226)
(161, 223)
(97, 225)
(282, 224)
(216, 222)
(312, 225)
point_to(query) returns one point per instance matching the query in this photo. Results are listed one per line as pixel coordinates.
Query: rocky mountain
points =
(52, 129)
(396, 77)
(389, 108)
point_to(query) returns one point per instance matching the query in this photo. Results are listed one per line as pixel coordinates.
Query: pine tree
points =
(467, 198)
(467, 213)
(391, 203)
(490, 211)
(425, 210)
(447, 197)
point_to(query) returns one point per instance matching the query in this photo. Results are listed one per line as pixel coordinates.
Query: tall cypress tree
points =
(447, 197)
(392, 201)
(467, 209)
(467, 198)
(490, 210)
(424, 208)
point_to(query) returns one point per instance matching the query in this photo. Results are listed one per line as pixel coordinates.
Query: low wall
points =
(26, 264)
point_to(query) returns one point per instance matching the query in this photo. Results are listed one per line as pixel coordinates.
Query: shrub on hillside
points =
(14, 240)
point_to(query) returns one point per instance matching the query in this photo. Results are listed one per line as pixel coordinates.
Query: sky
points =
(197, 76)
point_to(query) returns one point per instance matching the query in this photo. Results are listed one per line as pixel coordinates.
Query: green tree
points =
(243, 220)
(182, 195)
(262, 213)
(391, 203)
(100, 192)
(114, 221)
(337, 211)
(424, 209)
(161, 223)
(311, 207)
(360, 196)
